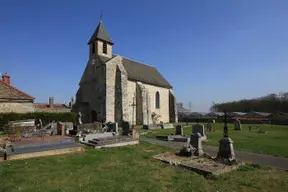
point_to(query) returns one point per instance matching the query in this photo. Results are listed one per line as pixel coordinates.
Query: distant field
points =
(128, 169)
(275, 142)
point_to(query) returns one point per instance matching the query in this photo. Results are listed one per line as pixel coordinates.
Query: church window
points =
(157, 100)
(104, 47)
(93, 48)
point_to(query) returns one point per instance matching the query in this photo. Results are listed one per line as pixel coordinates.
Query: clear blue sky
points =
(208, 50)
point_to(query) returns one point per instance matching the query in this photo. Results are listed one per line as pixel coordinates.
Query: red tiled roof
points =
(44, 106)
(14, 88)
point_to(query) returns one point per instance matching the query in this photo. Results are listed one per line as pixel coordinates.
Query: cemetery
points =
(257, 138)
(24, 139)
(138, 165)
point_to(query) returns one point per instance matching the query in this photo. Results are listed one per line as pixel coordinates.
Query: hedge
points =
(229, 120)
(44, 116)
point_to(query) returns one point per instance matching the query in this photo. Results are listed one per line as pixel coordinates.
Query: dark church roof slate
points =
(137, 71)
(101, 34)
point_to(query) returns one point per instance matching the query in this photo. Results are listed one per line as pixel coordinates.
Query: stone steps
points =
(108, 141)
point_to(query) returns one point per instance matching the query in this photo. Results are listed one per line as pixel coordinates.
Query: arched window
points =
(157, 100)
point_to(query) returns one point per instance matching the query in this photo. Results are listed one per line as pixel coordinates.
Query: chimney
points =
(51, 102)
(6, 79)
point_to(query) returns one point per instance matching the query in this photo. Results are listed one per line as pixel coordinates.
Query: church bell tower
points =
(100, 43)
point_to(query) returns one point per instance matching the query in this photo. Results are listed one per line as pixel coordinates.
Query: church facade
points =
(115, 88)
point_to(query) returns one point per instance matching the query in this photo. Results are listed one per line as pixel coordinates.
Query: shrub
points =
(44, 116)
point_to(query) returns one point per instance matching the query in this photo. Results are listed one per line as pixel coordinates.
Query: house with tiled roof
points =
(13, 99)
(52, 107)
(17, 101)
(116, 88)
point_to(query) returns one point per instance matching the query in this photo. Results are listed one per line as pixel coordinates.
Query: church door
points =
(93, 116)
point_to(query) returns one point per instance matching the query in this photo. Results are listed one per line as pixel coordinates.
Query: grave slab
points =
(203, 165)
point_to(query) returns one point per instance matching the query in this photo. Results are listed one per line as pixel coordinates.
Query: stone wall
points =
(173, 107)
(132, 95)
(118, 96)
(110, 87)
(142, 112)
(163, 111)
(151, 92)
(53, 110)
(116, 91)
(92, 92)
(98, 93)
(16, 107)
(124, 89)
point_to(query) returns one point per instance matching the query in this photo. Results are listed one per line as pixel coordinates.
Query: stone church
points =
(115, 88)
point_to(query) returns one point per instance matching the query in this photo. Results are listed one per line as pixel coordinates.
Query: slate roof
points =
(236, 114)
(254, 113)
(219, 114)
(55, 106)
(100, 33)
(198, 113)
(137, 71)
(8, 92)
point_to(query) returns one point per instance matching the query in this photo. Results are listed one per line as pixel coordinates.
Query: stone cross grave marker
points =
(237, 125)
(199, 128)
(125, 128)
(179, 130)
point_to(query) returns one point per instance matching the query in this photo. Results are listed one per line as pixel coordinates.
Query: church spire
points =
(100, 33)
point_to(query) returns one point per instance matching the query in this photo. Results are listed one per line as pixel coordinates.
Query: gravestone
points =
(79, 118)
(98, 126)
(135, 134)
(161, 125)
(69, 126)
(125, 128)
(199, 128)
(196, 142)
(40, 124)
(168, 126)
(209, 127)
(114, 127)
(237, 125)
(179, 130)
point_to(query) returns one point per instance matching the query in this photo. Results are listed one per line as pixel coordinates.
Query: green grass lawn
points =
(128, 169)
(275, 142)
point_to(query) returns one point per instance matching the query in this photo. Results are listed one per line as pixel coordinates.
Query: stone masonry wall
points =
(132, 95)
(124, 89)
(16, 107)
(173, 107)
(92, 91)
(151, 92)
(142, 103)
(163, 111)
(110, 87)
